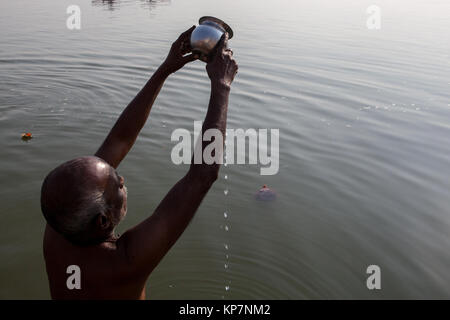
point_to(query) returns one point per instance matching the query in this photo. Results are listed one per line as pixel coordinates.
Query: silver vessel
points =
(207, 34)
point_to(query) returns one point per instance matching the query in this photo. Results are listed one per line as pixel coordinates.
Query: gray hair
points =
(82, 217)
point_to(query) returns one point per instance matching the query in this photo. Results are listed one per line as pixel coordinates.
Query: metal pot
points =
(207, 34)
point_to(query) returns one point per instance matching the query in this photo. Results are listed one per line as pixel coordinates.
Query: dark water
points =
(364, 141)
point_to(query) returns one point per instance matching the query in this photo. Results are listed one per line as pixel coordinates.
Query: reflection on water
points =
(364, 142)
(114, 4)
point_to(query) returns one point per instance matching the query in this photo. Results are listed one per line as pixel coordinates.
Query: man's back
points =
(104, 270)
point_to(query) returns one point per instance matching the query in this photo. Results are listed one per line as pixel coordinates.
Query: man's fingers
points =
(230, 51)
(188, 31)
(184, 41)
(185, 47)
(223, 43)
(186, 35)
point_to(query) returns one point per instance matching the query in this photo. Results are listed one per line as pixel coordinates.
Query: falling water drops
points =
(225, 216)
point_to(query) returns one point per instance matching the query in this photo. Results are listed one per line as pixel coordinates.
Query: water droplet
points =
(226, 256)
(227, 288)
(226, 246)
(226, 228)
(226, 177)
(225, 266)
(225, 215)
(225, 192)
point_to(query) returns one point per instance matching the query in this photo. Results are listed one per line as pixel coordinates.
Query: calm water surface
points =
(364, 141)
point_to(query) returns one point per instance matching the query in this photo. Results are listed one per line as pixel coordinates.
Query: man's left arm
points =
(125, 131)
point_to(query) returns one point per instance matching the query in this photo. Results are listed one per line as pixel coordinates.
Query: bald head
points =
(83, 199)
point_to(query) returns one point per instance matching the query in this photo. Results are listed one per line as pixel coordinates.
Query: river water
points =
(364, 141)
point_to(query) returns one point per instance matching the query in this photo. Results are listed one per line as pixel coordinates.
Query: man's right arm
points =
(147, 243)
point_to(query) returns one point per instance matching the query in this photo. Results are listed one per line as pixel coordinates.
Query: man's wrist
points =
(220, 84)
(164, 70)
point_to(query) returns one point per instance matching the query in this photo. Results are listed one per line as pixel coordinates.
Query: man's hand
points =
(222, 68)
(180, 53)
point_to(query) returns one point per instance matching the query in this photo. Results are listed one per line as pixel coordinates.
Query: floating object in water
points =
(265, 194)
(207, 34)
(27, 136)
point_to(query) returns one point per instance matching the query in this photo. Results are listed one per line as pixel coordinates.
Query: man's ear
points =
(103, 221)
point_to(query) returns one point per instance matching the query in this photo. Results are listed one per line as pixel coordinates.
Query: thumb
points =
(223, 42)
(220, 46)
(190, 57)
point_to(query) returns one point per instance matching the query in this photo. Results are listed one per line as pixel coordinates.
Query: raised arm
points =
(124, 133)
(148, 242)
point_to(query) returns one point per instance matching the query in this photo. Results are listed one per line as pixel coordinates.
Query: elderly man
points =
(84, 199)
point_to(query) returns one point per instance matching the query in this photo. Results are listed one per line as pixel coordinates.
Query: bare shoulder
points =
(57, 249)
